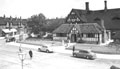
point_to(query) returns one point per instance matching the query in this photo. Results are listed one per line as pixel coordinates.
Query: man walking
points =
(20, 49)
(73, 48)
(31, 54)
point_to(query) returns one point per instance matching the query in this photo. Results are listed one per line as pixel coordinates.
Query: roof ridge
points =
(78, 9)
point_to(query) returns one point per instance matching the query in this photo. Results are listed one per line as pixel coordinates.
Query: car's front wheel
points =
(87, 57)
(74, 55)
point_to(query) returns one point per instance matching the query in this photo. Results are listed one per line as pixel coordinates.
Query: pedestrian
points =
(31, 54)
(73, 48)
(20, 50)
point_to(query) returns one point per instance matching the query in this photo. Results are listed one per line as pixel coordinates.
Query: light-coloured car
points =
(45, 48)
(88, 54)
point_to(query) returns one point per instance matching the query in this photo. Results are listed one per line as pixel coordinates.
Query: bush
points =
(81, 41)
(49, 37)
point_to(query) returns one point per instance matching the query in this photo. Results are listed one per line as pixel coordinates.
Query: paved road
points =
(9, 60)
(61, 49)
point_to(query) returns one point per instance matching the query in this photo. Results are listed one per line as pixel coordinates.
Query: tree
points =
(36, 23)
(52, 24)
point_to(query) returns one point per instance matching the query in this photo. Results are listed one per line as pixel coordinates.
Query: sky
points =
(50, 8)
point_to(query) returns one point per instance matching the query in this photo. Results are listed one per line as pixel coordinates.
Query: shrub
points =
(81, 41)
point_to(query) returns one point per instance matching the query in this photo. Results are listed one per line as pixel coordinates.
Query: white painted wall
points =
(90, 39)
(59, 38)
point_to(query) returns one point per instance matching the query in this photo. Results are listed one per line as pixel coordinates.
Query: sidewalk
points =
(61, 49)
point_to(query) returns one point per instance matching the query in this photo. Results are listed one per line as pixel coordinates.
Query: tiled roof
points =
(64, 28)
(89, 28)
(111, 17)
(0, 32)
(117, 35)
(82, 28)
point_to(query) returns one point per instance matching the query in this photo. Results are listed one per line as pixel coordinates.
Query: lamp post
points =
(21, 57)
(20, 39)
(20, 35)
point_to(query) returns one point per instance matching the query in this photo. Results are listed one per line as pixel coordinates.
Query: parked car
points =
(88, 54)
(45, 48)
(114, 67)
(9, 39)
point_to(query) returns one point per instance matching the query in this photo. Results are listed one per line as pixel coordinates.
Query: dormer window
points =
(73, 13)
(69, 20)
(116, 18)
(78, 19)
(97, 19)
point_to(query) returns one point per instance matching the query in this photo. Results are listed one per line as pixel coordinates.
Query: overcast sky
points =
(50, 8)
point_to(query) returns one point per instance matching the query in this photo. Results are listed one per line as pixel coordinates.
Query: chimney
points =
(105, 2)
(102, 24)
(4, 16)
(87, 6)
(10, 18)
(104, 31)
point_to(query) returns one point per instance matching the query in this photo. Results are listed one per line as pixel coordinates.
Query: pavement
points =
(61, 49)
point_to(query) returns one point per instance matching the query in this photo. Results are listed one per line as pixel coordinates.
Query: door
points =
(73, 38)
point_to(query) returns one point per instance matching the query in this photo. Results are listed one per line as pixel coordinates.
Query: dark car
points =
(10, 39)
(88, 54)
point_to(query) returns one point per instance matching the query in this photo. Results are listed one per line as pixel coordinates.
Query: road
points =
(9, 59)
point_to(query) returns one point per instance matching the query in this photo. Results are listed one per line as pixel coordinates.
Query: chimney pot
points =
(105, 5)
(87, 6)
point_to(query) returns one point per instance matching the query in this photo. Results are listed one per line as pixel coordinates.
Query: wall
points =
(59, 38)
(90, 39)
(93, 39)
(55, 37)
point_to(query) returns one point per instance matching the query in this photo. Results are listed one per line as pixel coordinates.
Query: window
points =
(61, 34)
(116, 18)
(97, 19)
(78, 19)
(82, 51)
(73, 13)
(90, 35)
(69, 20)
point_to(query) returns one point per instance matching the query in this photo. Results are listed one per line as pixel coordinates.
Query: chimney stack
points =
(4, 16)
(87, 6)
(105, 5)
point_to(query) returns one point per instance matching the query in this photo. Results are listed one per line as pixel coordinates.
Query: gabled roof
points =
(89, 28)
(82, 28)
(64, 28)
(81, 17)
(111, 17)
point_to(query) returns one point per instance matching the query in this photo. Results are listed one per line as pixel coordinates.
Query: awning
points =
(9, 30)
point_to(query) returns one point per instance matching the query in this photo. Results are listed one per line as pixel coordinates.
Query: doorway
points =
(73, 38)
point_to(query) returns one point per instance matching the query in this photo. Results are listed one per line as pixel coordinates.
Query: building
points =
(87, 32)
(12, 26)
(93, 26)
(111, 17)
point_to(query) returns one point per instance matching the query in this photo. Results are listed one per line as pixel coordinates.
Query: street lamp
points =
(21, 57)
(20, 39)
